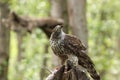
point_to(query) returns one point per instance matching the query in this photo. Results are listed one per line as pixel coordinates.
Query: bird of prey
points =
(69, 47)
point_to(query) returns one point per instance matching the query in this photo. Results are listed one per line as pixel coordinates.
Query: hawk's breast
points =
(58, 47)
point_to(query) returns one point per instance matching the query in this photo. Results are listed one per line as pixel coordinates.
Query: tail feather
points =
(86, 62)
(93, 73)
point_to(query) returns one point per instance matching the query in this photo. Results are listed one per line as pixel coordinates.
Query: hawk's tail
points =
(86, 62)
(93, 73)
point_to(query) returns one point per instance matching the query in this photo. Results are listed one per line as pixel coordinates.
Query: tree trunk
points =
(4, 42)
(59, 10)
(77, 18)
(43, 72)
(20, 36)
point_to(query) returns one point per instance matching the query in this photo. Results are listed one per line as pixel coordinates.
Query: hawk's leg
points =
(66, 67)
(63, 59)
(64, 62)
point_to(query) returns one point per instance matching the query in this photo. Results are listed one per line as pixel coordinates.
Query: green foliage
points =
(31, 7)
(29, 67)
(103, 24)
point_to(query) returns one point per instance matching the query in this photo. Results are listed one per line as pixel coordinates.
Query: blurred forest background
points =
(24, 47)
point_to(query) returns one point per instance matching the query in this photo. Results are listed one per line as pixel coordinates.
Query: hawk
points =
(69, 47)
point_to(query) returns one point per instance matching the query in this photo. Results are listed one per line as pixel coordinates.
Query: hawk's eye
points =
(61, 26)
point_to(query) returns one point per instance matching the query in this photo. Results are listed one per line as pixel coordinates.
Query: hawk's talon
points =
(65, 71)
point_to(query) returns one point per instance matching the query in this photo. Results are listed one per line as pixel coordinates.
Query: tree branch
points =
(28, 23)
(73, 73)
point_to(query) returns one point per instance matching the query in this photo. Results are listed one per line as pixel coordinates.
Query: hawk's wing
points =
(75, 46)
(74, 43)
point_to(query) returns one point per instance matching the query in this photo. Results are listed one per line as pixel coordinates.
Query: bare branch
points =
(28, 23)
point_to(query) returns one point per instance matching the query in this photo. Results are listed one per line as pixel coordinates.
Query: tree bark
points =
(77, 18)
(4, 42)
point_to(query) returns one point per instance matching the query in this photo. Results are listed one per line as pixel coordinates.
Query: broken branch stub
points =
(73, 73)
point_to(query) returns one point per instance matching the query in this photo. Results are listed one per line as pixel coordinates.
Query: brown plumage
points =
(67, 46)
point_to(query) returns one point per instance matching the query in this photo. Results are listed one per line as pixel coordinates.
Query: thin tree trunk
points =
(77, 18)
(20, 36)
(59, 10)
(4, 42)
(43, 71)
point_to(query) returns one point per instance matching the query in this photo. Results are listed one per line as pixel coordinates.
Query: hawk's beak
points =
(58, 27)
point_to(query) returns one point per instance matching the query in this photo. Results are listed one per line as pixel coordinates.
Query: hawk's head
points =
(57, 32)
